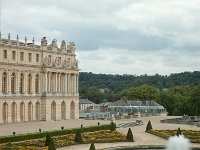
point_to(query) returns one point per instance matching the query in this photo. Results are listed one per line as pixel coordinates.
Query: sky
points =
(113, 36)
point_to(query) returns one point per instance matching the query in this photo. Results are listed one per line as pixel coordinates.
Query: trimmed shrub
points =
(149, 126)
(78, 137)
(178, 132)
(50, 143)
(92, 147)
(112, 126)
(129, 136)
(47, 140)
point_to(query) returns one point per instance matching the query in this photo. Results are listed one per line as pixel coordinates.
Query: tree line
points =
(178, 93)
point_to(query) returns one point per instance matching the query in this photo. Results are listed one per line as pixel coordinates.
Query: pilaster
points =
(0, 84)
(9, 82)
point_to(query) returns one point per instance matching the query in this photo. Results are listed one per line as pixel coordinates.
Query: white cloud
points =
(128, 36)
(135, 62)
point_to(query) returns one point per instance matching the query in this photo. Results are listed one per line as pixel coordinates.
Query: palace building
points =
(38, 82)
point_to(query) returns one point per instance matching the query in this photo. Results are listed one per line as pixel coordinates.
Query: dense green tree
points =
(144, 92)
(195, 98)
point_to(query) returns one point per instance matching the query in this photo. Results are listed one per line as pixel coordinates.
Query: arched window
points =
(53, 111)
(21, 84)
(37, 83)
(4, 83)
(13, 83)
(29, 83)
(63, 110)
(37, 111)
(72, 110)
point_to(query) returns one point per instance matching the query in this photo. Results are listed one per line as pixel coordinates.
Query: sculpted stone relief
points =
(44, 41)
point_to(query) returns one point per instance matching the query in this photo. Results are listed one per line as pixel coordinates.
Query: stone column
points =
(17, 82)
(69, 83)
(59, 76)
(9, 82)
(66, 78)
(74, 83)
(45, 80)
(33, 84)
(0, 83)
(49, 82)
(56, 83)
(25, 83)
(77, 83)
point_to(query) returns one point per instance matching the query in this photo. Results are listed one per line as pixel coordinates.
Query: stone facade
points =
(38, 82)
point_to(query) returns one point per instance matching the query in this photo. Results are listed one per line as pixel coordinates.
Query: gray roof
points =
(132, 103)
(85, 101)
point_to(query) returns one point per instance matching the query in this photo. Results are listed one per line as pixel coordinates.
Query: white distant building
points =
(133, 107)
(85, 103)
(38, 82)
(90, 110)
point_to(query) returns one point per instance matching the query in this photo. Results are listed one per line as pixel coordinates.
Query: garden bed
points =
(192, 135)
(69, 139)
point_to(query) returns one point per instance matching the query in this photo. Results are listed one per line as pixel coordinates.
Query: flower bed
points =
(69, 139)
(193, 136)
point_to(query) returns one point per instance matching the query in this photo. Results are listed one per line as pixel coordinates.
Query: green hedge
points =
(30, 136)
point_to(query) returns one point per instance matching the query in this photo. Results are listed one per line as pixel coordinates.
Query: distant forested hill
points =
(117, 83)
(179, 93)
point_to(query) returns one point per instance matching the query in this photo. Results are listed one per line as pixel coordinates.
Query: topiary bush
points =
(112, 126)
(178, 132)
(149, 126)
(92, 147)
(50, 143)
(129, 136)
(78, 137)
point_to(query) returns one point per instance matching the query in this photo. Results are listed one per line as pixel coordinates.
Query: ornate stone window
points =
(37, 57)
(13, 55)
(4, 83)
(21, 56)
(21, 84)
(37, 83)
(49, 56)
(29, 57)
(29, 83)
(13, 83)
(59, 61)
(5, 54)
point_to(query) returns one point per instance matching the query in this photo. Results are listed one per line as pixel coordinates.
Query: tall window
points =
(49, 58)
(21, 84)
(29, 57)
(5, 54)
(29, 84)
(37, 83)
(13, 55)
(37, 57)
(4, 83)
(21, 56)
(59, 61)
(13, 83)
